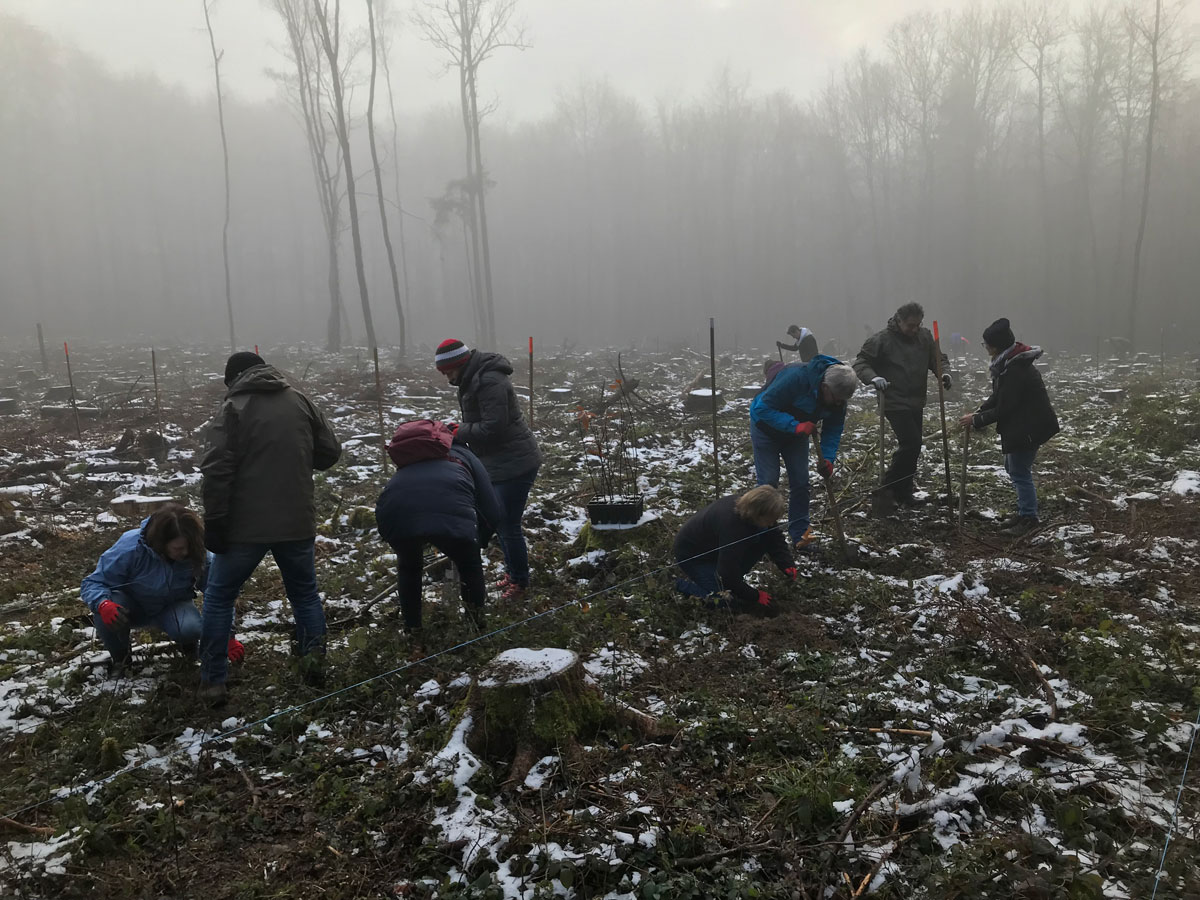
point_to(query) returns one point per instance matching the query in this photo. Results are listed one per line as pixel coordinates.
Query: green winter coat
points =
(903, 361)
(262, 448)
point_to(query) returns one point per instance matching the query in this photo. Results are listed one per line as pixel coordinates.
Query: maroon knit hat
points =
(451, 354)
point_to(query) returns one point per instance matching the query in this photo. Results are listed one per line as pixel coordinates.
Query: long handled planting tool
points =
(831, 499)
(937, 352)
(962, 482)
(879, 398)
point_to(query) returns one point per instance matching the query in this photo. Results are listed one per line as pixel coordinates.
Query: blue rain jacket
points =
(793, 397)
(147, 579)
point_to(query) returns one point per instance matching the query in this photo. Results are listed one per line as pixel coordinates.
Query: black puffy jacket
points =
(1019, 405)
(438, 498)
(492, 423)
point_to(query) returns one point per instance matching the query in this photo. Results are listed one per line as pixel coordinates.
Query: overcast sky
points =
(649, 48)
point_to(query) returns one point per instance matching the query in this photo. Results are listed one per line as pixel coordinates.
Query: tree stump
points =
(528, 703)
(138, 506)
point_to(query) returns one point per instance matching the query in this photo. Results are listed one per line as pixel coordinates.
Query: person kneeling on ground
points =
(441, 494)
(1021, 411)
(718, 546)
(148, 579)
(784, 415)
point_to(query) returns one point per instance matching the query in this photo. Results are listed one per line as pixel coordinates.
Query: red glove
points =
(825, 467)
(805, 428)
(235, 651)
(453, 426)
(111, 613)
(764, 599)
(791, 572)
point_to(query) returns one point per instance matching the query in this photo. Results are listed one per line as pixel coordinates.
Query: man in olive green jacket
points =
(895, 362)
(263, 446)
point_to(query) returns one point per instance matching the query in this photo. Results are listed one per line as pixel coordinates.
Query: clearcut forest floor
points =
(948, 714)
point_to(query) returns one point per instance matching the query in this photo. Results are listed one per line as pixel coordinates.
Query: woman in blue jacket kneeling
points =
(148, 579)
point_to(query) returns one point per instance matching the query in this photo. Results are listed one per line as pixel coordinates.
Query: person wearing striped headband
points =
(494, 428)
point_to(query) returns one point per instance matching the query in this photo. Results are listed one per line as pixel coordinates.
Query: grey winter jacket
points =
(262, 448)
(903, 361)
(492, 423)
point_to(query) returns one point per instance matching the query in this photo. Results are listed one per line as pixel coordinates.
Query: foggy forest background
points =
(986, 161)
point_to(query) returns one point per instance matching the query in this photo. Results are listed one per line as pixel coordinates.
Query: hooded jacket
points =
(262, 448)
(492, 423)
(903, 361)
(438, 498)
(147, 579)
(1019, 406)
(717, 534)
(792, 397)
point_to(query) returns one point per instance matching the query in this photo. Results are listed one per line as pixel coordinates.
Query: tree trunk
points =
(387, 79)
(487, 298)
(342, 127)
(225, 157)
(383, 222)
(1131, 326)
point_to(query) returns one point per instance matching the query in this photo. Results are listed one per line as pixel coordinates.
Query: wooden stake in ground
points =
(157, 403)
(71, 381)
(831, 499)
(42, 350)
(962, 487)
(937, 351)
(712, 359)
(379, 409)
(531, 382)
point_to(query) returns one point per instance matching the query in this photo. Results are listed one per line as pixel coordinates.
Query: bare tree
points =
(383, 220)
(400, 213)
(469, 32)
(331, 43)
(307, 89)
(207, 4)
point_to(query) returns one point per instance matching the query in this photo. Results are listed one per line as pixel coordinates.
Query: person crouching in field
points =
(148, 579)
(441, 494)
(718, 546)
(1020, 409)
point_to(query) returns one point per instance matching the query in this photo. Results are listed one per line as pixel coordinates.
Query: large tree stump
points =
(529, 703)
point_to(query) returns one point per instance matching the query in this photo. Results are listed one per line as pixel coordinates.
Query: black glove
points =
(216, 535)
(947, 382)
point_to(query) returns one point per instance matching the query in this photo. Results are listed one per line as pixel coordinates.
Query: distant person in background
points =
(718, 546)
(896, 362)
(263, 445)
(1020, 409)
(494, 428)
(440, 494)
(804, 342)
(785, 415)
(148, 579)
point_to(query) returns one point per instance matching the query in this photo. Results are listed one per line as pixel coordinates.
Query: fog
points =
(985, 161)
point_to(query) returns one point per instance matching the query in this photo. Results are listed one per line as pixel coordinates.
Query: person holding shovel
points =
(804, 343)
(895, 362)
(1020, 409)
(784, 415)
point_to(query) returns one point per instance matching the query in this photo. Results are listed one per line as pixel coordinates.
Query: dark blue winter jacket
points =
(147, 579)
(438, 498)
(792, 397)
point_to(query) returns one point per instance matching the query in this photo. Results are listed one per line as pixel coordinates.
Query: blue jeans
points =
(700, 578)
(768, 448)
(513, 494)
(180, 620)
(229, 571)
(1019, 467)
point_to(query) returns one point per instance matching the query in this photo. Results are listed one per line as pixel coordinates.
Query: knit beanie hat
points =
(239, 363)
(999, 335)
(451, 354)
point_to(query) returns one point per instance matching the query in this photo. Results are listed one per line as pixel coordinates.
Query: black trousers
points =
(906, 423)
(410, 569)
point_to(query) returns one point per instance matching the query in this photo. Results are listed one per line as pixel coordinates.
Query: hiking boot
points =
(1009, 521)
(312, 669)
(505, 582)
(514, 591)
(883, 502)
(212, 693)
(475, 615)
(806, 539)
(122, 667)
(1022, 526)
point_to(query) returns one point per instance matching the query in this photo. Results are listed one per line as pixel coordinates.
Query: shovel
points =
(834, 512)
